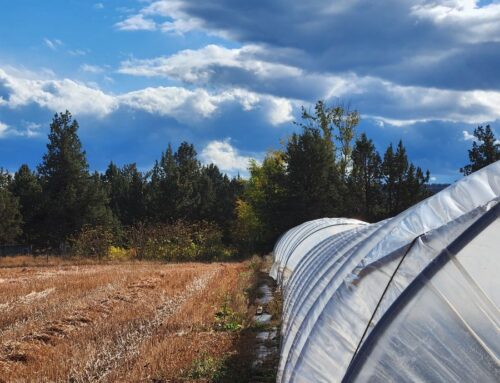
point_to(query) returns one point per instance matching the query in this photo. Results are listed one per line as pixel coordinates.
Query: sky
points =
(231, 76)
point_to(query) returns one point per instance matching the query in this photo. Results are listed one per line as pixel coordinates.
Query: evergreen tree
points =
(186, 192)
(365, 180)
(168, 186)
(96, 211)
(127, 189)
(312, 177)
(10, 215)
(26, 187)
(136, 190)
(485, 150)
(214, 193)
(389, 173)
(404, 184)
(72, 198)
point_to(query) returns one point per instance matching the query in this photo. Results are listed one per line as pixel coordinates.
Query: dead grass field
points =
(126, 322)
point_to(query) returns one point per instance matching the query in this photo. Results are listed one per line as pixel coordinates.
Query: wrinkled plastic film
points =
(339, 277)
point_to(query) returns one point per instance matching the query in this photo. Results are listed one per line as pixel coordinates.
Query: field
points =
(125, 322)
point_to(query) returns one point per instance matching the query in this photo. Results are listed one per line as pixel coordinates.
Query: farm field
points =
(126, 322)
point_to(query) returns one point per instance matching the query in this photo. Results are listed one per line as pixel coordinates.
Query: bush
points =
(92, 242)
(179, 241)
(207, 368)
(116, 253)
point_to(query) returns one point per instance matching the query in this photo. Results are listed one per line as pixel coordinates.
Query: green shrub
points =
(226, 319)
(92, 241)
(179, 241)
(207, 367)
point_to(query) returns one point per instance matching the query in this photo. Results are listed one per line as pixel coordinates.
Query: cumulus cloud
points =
(56, 95)
(171, 101)
(248, 67)
(279, 111)
(187, 105)
(467, 136)
(471, 22)
(200, 65)
(30, 130)
(375, 98)
(191, 105)
(136, 23)
(226, 157)
(419, 43)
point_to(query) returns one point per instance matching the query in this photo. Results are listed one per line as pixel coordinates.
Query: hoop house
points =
(412, 298)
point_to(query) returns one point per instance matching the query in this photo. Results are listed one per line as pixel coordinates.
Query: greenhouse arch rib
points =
(408, 294)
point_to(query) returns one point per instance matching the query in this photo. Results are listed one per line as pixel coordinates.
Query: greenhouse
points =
(408, 299)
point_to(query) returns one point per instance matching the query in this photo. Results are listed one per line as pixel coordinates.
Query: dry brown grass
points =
(127, 322)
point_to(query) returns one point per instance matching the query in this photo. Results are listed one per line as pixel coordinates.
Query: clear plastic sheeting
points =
(295, 242)
(359, 302)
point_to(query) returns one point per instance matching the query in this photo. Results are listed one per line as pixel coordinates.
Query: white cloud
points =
(191, 105)
(378, 99)
(178, 21)
(136, 23)
(94, 69)
(98, 6)
(405, 105)
(57, 95)
(52, 44)
(467, 136)
(183, 104)
(471, 22)
(3, 129)
(30, 130)
(195, 66)
(177, 102)
(279, 111)
(248, 68)
(172, 9)
(225, 156)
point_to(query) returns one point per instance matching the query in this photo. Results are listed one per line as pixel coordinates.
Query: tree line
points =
(182, 206)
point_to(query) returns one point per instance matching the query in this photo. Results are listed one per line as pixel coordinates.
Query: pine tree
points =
(169, 174)
(365, 180)
(187, 194)
(126, 188)
(10, 215)
(404, 183)
(26, 187)
(72, 198)
(485, 150)
(390, 177)
(312, 176)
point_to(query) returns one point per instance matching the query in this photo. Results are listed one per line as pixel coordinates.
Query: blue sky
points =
(230, 76)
